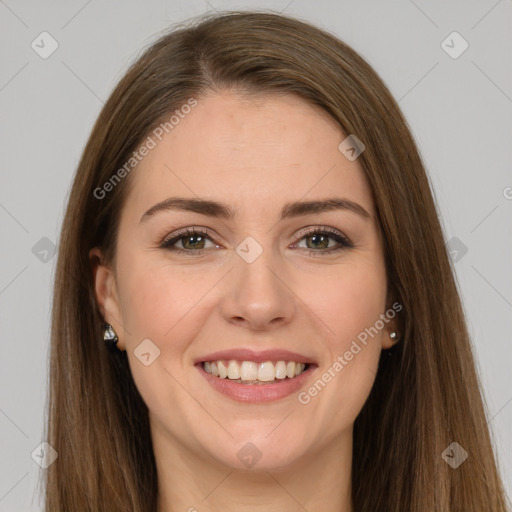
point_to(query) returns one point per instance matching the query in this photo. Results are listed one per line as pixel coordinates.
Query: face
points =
(269, 286)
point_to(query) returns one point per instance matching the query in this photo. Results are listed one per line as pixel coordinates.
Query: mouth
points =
(253, 373)
(247, 376)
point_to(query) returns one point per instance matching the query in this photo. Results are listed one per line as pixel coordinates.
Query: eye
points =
(317, 241)
(192, 241)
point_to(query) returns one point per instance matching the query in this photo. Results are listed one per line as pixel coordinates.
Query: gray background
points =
(459, 110)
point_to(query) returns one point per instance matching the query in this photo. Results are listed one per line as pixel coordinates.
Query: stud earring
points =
(109, 336)
(394, 336)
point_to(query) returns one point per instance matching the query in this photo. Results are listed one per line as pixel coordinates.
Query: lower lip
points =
(257, 393)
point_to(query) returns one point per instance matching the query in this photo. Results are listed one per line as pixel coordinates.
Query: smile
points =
(253, 373)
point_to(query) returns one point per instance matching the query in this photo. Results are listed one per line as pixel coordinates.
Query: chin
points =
(257, 453)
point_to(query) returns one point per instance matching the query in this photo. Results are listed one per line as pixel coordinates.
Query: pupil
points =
(190, 239)
(318, 236)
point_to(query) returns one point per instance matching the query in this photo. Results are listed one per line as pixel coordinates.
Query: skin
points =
(255, 154)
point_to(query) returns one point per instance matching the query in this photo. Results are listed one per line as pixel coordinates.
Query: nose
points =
(258, 295)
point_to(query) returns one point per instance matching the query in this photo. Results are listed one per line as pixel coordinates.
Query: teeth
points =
(251, 372)
(233, 370)
(223, 371)
(248, 370)
(280, 370)
(266, 372)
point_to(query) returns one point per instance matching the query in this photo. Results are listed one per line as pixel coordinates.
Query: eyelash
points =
(344, 243)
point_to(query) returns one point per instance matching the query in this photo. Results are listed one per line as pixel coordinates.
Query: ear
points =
(105, 291)
(387, 340)
(391, 325)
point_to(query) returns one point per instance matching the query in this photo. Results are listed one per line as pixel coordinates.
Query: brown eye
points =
(318, 241)
(191, 240)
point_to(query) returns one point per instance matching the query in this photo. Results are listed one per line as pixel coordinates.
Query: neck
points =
(189, 481)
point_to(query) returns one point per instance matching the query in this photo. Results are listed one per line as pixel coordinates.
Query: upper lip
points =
(243, 354)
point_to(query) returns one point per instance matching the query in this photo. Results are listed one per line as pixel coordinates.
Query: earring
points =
(394, 336)
(109, 336)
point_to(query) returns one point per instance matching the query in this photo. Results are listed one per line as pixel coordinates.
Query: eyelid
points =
(342, 240)
(316, 228)
(179, 233)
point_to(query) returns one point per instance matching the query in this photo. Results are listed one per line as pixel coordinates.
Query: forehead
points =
(260, 150)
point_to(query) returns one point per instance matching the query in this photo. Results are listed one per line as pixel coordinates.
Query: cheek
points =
(347, 300)
(349, 303)
(159, 305)
(157, 298)
(158, 301)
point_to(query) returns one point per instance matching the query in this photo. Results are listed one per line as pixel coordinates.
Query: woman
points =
(252, 234)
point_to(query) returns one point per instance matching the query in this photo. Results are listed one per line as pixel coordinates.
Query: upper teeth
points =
(249, 370)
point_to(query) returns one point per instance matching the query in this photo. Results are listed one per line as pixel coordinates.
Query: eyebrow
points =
(224, 211)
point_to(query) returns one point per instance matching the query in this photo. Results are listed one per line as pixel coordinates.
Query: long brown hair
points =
(426, 394)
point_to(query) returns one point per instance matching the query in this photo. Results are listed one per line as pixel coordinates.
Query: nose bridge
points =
(257, 294)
